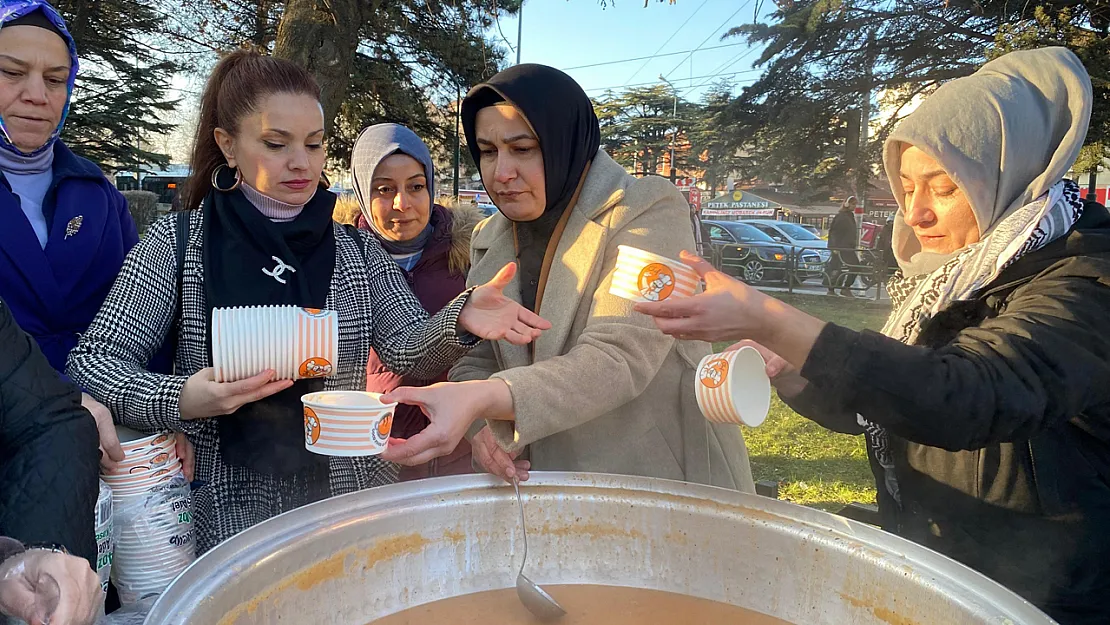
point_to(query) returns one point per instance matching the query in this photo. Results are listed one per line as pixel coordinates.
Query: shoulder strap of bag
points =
(181, 227)
(353, 231)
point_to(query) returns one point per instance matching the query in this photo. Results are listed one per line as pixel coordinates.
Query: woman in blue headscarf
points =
(64, 229)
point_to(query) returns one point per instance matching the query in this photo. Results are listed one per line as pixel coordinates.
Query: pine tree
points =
(121, 90)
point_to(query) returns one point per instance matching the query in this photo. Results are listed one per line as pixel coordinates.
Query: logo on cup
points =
(161, 439)
(382, 430)
(311, 426)
(315, 368)
(315, 312)
(714, 372)
(656, 282)
(138, 469)
(160, 459)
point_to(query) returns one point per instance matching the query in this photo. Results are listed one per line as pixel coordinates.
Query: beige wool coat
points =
(605, 390)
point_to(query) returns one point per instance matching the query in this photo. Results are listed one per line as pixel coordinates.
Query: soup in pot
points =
(585, 605)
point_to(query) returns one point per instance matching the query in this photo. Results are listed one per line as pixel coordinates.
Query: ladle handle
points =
(523, 525)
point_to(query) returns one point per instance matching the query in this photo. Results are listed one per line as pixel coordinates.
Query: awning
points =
(739, 204)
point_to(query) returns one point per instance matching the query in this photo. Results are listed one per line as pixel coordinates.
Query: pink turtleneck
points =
(275, 210)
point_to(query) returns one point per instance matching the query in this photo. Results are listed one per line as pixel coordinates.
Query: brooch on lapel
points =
(74, 225)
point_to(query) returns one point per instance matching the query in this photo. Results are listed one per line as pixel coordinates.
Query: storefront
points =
(740, 205)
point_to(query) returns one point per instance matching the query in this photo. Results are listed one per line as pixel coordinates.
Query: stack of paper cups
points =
(642, 276)
(346, 423)
(733, 387)
(104, 539)
(294, 342)
(151, 516)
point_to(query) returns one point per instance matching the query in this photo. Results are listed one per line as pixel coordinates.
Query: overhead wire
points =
(673, 35)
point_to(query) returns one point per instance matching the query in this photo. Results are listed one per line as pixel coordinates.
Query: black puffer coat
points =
(48, 450)
(999, 422)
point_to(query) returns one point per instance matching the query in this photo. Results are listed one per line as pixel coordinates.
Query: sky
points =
(684, 38)
(571, 34)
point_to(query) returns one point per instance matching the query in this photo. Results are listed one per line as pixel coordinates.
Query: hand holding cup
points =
(203, 397)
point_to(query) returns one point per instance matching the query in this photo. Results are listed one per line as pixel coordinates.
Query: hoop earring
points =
(216, 176)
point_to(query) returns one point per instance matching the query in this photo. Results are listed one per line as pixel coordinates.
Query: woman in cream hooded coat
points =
(603, 390)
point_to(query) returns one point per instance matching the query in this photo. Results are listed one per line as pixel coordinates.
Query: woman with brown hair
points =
(258, 230)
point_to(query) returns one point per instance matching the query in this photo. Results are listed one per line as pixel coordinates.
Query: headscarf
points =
(569, 135)
(561, 115)
(374, 145)
(1005, 135)
(23, 11)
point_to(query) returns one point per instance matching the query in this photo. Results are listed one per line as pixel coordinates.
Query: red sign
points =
(684, 184)
(695, 199)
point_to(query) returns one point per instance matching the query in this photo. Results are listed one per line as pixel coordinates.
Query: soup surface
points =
(585, 605)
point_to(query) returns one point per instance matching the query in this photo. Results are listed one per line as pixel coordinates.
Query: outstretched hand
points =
(451, 408)
(489, 314)
(730, 310)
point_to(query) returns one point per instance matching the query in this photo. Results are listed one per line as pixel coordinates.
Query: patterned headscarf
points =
(12, 10)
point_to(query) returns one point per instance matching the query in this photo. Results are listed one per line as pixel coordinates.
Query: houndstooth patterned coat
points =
(376, 309)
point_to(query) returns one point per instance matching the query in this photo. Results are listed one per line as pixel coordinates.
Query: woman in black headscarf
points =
(603, 390)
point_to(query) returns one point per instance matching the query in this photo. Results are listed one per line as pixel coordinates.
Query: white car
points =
(801, 239)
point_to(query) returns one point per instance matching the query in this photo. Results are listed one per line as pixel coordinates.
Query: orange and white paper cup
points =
(733, 387)
(346, 423)
(642, 276)
(317, 343)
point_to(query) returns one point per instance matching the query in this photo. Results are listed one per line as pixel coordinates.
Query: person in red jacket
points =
(394, 185)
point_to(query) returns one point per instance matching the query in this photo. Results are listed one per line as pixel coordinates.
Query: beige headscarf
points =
(1005, 135)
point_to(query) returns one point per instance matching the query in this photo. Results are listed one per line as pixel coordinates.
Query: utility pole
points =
(519, 30)
(458, 141)
(674, 128)
(863, 174)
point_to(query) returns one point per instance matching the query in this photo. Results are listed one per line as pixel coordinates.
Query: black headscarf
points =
(569, 135)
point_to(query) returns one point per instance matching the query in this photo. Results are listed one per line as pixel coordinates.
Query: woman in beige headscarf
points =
(986, 405)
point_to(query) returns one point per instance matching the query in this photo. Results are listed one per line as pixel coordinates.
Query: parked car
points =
(814, 229)
(811, 250)
(741, 250)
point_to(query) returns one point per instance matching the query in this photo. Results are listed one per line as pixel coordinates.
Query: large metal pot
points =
(349, 560)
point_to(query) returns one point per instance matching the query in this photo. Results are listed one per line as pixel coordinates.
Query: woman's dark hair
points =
(238, 82)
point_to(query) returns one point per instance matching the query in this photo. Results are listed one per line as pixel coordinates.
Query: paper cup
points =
(732, 387)
(317, 343)
(346, 423)
(134, 442)
(642, 276)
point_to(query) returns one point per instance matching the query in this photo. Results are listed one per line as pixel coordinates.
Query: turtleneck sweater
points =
(274, 210)
(29, 178)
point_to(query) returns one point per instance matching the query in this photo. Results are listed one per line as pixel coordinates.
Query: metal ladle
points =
(536, 599)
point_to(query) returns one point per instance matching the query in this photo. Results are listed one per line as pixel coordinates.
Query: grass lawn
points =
(816, 467)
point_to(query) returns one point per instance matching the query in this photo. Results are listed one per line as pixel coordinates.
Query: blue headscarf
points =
(11, 10)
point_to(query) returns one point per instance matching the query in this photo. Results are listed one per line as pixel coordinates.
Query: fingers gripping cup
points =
(346, 423)
(642, 276)
(733, 387)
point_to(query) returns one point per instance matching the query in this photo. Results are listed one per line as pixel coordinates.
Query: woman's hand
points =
(202, 396)
(730, 310)
(497, 461)
(488, 314)
(451, 408)
(187, 453)
(785, 377)
(40, 586)
(110, 450)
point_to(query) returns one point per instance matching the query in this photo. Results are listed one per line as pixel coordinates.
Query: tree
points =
(638, 126)
(121, 91)
(824, 58)
(402, 61)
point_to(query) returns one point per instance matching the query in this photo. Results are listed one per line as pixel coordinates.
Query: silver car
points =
(811, 250)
